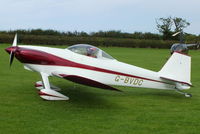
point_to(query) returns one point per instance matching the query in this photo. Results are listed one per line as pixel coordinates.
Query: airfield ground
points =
(91, 110)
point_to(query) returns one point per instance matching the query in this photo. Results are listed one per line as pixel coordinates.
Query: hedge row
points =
(96, 41)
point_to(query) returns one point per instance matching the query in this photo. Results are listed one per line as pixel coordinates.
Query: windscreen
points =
(90, 51)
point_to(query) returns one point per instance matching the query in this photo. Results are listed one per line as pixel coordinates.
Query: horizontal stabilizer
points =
(176, 81)
(87, 81)
(177, 69)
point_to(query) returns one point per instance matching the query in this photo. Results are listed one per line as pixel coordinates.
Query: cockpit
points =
(90, 51)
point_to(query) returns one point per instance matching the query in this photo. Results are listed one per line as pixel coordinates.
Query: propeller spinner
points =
(12, 50)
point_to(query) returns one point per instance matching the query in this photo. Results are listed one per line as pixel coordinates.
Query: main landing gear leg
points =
(186, 94)
(39, 86)
(47, 93)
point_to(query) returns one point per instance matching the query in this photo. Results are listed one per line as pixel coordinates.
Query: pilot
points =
(91, 52)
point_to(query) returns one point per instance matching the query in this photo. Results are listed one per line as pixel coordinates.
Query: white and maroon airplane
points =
(89, 65)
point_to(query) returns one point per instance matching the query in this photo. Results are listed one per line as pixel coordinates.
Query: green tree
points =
(180, 24)
(164, 26)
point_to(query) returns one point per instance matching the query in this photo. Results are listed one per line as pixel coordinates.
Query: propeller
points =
(13, 49)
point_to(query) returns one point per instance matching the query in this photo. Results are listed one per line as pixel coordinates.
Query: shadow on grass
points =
(83, 96)
(157, 94)
(94, 98)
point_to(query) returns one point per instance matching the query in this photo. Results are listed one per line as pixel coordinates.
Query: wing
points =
(85, 81)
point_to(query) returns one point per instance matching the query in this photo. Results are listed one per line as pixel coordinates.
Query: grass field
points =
(91, 110)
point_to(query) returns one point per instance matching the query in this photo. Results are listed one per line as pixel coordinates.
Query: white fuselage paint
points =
(144, 78)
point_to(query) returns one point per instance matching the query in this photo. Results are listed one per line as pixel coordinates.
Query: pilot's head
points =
(91, 50)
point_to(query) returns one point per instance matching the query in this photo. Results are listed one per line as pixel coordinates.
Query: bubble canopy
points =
(179, 48)
(90, 51)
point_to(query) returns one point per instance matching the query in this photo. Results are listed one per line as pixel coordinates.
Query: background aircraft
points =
(182, 46)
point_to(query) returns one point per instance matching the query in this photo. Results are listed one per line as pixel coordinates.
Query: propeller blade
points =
(15, 41)
(12, 55)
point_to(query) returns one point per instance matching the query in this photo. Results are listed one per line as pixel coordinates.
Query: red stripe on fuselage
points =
(31, 56)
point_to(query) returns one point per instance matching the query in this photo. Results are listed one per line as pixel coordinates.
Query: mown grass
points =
(91, 110)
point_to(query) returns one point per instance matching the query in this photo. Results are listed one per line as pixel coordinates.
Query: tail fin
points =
(177, 68)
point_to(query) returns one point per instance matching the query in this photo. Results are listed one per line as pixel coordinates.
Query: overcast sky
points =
(94, 15)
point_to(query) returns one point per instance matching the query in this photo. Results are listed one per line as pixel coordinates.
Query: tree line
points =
(104, 34)
(166, 27)
(101, 38)
(111, 34)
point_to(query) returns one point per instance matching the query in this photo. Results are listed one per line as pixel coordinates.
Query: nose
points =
(10, 49)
